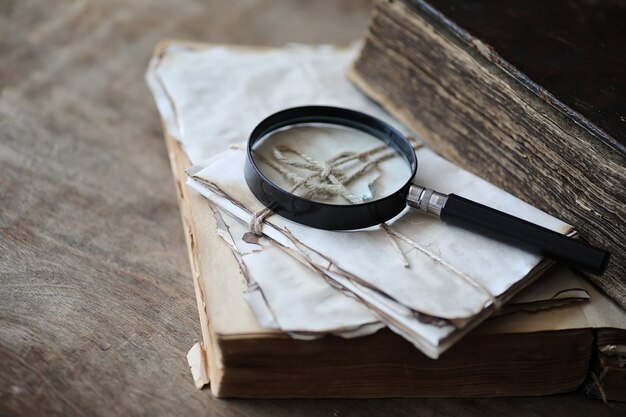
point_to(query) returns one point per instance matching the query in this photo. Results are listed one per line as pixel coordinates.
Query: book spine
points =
(479, 117)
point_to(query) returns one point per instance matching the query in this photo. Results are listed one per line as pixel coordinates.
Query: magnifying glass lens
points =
(331, 164)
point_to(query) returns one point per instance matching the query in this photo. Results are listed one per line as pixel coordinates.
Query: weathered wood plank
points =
(97, 306)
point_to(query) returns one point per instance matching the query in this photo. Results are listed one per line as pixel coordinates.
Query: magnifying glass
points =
(299, 202)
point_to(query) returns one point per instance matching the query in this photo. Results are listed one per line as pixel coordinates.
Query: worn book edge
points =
(204, 358)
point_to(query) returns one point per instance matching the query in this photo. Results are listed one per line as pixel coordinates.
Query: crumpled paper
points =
(220, 94)
(366, 256)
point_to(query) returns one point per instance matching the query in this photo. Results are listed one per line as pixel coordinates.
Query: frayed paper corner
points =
(196, 358)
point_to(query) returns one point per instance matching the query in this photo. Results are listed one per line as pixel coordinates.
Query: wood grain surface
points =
(97, 307)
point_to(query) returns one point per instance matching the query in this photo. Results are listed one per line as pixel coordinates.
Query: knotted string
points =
(326, 178)
(438, 259)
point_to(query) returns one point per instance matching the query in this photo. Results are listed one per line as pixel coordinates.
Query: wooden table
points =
(97, 309)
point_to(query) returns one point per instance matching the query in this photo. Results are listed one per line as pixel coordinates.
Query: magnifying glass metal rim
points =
(319, 214)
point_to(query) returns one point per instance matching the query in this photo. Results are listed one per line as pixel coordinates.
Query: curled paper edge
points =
(196, 359)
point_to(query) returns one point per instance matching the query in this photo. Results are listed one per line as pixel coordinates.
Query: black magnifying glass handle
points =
(502, 226)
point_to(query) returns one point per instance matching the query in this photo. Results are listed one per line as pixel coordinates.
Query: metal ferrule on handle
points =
(426, 200)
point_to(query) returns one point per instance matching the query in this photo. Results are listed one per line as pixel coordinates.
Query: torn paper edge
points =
(196, 359)
(262, 309)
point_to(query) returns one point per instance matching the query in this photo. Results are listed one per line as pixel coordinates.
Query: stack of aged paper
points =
(309, 283)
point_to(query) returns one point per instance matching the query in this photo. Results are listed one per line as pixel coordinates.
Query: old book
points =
(528, 95)
(536, 353)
